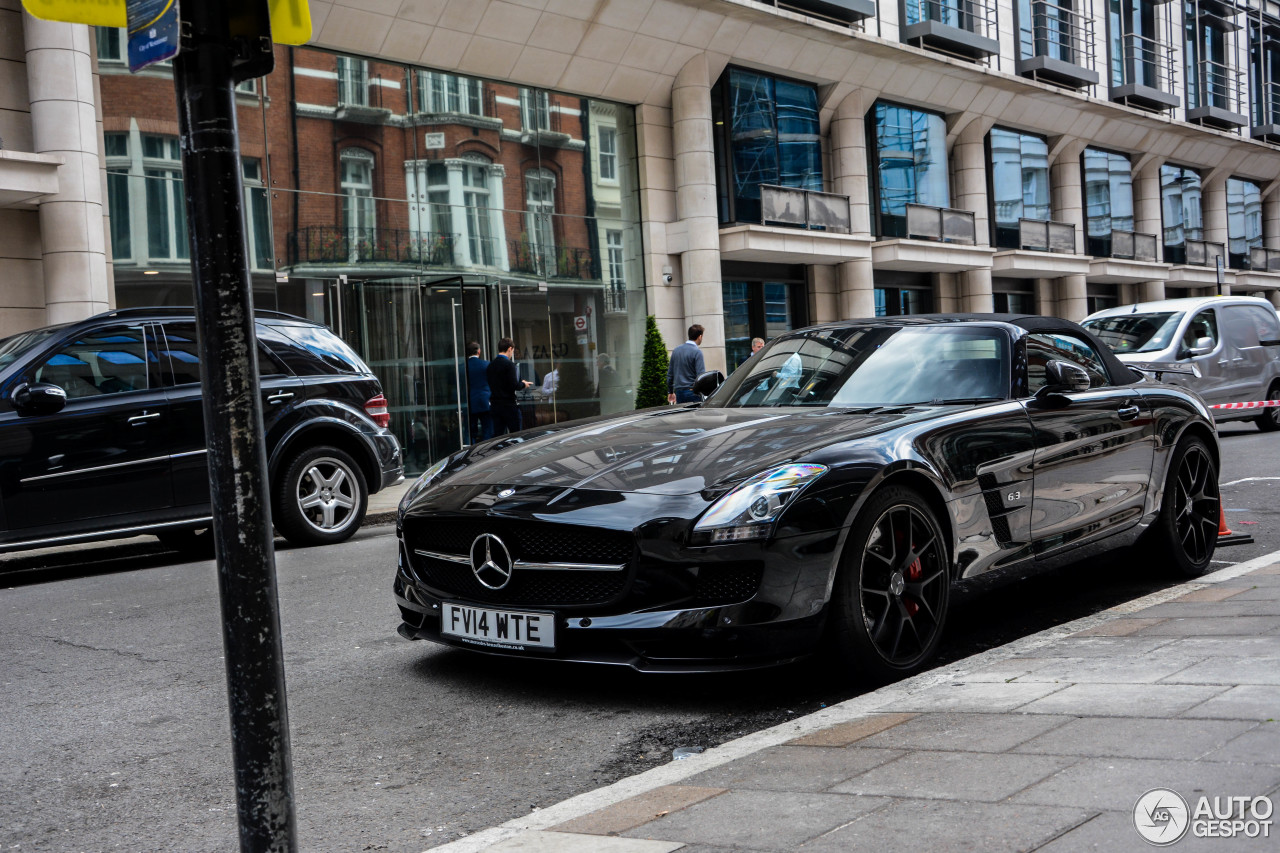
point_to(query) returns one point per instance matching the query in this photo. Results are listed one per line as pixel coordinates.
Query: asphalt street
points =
(116, 738)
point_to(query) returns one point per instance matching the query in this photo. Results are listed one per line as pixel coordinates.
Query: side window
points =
(106, 361)
(1203, 325)
(1266, 321)
(1044, 347)
(181, 349)
(1240, 328)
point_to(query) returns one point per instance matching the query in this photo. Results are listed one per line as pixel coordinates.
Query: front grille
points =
(527, 588)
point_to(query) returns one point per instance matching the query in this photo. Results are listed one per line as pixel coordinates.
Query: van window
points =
(1240, 326)
(1264, 322)
(1203, 325)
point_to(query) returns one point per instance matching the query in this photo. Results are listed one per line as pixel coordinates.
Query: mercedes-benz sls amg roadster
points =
(827, 496)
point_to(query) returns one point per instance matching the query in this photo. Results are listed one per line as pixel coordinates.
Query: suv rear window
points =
(324, 345)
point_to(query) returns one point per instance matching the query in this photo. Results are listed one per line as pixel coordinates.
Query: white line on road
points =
(1246, 480)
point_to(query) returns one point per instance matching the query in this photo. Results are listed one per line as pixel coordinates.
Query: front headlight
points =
(749, 511)
(428, 476)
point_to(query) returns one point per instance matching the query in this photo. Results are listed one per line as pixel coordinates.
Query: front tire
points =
(1269, 420)
(891, 596)
(1186, 533)
(321, 497)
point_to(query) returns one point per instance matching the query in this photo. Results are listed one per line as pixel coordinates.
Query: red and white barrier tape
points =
(1260, 404)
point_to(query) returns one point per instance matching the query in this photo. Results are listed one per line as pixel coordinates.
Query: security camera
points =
(667, 278)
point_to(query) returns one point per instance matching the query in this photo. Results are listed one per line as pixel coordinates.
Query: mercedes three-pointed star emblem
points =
(491, 561)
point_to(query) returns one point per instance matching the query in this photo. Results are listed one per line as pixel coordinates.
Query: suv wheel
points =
(1269, 420)
(321, 498)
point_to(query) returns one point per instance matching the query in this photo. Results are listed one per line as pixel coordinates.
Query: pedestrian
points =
(481, 421)
(686, 366)
(504, 382)
(757, 344)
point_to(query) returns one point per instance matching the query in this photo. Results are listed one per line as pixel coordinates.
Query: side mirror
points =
(707, 383)
(38, 398)
(1063, 377)
(1203, 346)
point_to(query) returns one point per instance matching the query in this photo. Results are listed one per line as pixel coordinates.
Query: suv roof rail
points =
(188, 309)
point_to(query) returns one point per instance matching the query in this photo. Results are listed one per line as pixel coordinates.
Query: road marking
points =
(1246, 480)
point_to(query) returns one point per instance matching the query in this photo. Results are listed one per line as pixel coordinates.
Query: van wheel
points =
(321, 497)
(1269, 420)
(890, 599)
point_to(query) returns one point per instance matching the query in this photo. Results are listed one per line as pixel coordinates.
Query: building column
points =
(857, 294)
(946, 292)
(970, 157)
(64, 122)
(1148, 210)
(1271, 219)
(849, 159)
(1216, 227)
(1073, 297)
(824, 297)
(696, 206)
(1068, 189)
(1151, 291)
(975, 292)
(1046, 297)
(497, 214)
(458, 214)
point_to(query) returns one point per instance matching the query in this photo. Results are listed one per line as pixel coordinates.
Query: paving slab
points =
(1232, 607)
(1129, 737)
(1123, 700)
(1209, 626)
(1199, 648)
(794, 768)
(631, 813)
(1113, 832)
(955, 775)
(1115, 784)
(962, 696)
(1259, 745)
(910, 826)
(966, 732)
(563, 842)
(760, 820)
(843, 734)
(1245, 702)
(1087, 646)
(1146, 669)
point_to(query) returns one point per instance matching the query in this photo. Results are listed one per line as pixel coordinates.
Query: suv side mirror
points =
(38, 398)
(708, 383)
(1063, 377)
(1203, 346)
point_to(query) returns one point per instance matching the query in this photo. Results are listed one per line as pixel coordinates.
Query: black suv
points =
(102, 431)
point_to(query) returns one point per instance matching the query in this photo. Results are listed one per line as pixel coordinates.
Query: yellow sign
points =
(290, 19)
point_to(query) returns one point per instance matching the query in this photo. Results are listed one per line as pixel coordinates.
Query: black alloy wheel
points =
(1269, 420)
(1186, 533)
(894, 587)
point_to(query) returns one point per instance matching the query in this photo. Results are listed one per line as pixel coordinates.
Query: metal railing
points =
(531, 258)
(1133, 246)
(976, 16)
(941, 224)
(1042, 235)
(1264, 260)
(841, 11)
(615, 298)
(333, 244)
(1147, 62)
(805, 209)
(1268, 104)
(1060, 32)
(1219, 85)
(1202, 253)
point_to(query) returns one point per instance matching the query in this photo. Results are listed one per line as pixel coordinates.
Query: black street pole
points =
(203, 76)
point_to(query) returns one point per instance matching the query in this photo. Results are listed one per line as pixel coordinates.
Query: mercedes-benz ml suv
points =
(102, 431)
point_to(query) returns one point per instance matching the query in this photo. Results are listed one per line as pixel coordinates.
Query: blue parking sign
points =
(153, 32)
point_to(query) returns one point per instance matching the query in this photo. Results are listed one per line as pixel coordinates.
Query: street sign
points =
(153, 32)
(580, 323)
(290, 19)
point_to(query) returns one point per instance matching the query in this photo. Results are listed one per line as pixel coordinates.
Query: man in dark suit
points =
(504, 382)
(481, 421)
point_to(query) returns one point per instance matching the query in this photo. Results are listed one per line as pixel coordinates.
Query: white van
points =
(1233, 341)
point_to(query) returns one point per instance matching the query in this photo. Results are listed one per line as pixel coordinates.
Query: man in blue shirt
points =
(686, 366)
(480, 421)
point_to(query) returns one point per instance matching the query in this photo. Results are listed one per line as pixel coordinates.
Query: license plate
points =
(501, 629)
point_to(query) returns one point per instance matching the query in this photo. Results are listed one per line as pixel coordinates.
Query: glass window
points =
(1244, 220)
(358, 212)
(449, 93)
(326, 346)
(475, 198)
(106, 361)
(1202, 331)
(1108, 198)
(1020, 182)
(535, 109)
(769, 135)
(608, 154)
(1134, 43)
(1043, 348)
(1209, 63)
(910, 163)
(1240, 327)
(1014, 303)
(111, 44)
(737, 322)
(1181, 206)
(353, 81)
(257, 213)
(1146, 332)
(1048, 28)
(165, 199)
(1264, 69)
(899, 301)
(118, 166)
(179, 345)
(541, 207)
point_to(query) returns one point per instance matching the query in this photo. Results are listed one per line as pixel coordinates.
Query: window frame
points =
(1014, 241)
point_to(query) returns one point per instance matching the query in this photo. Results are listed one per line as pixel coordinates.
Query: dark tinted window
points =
(1044, 347)
(105, 361)
(325, 346)
(17, 346)
(181, 349)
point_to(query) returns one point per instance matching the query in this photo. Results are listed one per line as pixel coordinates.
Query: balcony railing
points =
(966, 28)
(330, 244)
(1057, 45)
(1221, 98)
(615, 298)
(1041, 235)
(1264, 260)
(550, 261)
(805, 209)
(1267, 116)
(941, 224)
(842, 11)
(1147, 70)
(1133, 246)
(1201, 253)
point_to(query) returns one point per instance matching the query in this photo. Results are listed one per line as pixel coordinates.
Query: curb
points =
(851, 709)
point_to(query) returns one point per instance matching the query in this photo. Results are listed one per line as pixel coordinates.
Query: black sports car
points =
(827, 495)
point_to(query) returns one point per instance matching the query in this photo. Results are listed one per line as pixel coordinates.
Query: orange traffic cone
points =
(1223, 530)
(1225, 536)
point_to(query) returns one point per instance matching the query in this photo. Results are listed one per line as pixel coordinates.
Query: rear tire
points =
(320, 498)
(1185, 534)
(1269, 420)
(894, 585)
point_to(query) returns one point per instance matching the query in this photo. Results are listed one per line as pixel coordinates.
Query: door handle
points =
(140, 420)
(280, 397)
(1128, 413)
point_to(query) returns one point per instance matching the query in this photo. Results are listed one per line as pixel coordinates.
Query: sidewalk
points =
(383, 504)
(1045, 744)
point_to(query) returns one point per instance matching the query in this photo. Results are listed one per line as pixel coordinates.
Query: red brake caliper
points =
(913, 573)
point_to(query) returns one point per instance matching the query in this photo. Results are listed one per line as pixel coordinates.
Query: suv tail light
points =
(376, 408)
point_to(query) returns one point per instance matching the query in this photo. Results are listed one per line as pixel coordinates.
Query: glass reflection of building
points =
(412, 211)
(1019, 182)
(1244, 221)
(1108, 197)
(1181, 198)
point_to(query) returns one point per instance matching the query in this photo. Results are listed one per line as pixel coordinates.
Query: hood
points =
(668, 451)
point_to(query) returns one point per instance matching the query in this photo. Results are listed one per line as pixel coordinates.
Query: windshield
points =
(15, 347)
(1136, 332)
(869, 366)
